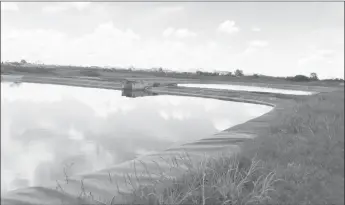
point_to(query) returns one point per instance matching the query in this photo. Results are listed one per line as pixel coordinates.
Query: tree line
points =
(237, 73)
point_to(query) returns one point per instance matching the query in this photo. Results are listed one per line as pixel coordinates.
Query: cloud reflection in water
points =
(48, 128)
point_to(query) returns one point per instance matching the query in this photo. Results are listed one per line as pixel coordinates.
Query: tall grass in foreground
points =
(221, 180)
(224, 180)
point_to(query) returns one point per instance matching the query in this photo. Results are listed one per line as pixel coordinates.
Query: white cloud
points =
(324, 53)
(170, 9)
(254, 46)
(63, 6)
(316, 55)
(168, 32)
(54, 9)
(256, 29)
(258, 43)
(321, 60)
(9, 6)
(80, 5)
(327, 37)
(36, 44)
(109, 30)
(212, 44)
(109, 45)
(184, 33)
(228, 27)
(106, 43)
(178, 33)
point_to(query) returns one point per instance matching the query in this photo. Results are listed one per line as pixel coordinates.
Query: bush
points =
(207, 73)
(229, 74)
(16, 63)
(255, 75)
(313, 76)
(239, 73)
(299, 78)
(156, 84)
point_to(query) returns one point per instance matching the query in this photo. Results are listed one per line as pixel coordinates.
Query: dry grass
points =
(221, 180)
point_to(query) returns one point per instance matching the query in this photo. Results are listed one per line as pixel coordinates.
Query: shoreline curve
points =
(100, 184)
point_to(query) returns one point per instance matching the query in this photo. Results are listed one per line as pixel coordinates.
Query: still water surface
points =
(48, 128)
(247, 88)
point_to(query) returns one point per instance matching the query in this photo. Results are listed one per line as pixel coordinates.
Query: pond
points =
(46, 128)
(247, 88)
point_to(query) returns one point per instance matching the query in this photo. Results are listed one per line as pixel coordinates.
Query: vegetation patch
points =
(226, 179)
(305, 147)
(90, 73)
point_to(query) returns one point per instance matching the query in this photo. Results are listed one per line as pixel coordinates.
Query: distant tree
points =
(255, 75)
(215, 73)
(313, 76)
(229, 74)
(155, 84)
(23, 61)
(160, 69)
(299, 78)
(131, 68)
(209, 73)
(239, 73)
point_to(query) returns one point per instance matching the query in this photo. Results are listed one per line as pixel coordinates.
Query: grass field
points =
(305, 148)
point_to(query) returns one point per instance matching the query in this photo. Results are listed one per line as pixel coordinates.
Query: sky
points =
(269, 38)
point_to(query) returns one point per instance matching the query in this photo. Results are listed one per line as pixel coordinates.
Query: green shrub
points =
(239, 73)
(156, 84)
(299, 78)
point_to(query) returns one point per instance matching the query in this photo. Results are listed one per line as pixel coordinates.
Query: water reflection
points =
(48, 131)
(247, 88)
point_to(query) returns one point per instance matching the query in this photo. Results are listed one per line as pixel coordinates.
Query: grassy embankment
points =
(300, 161)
